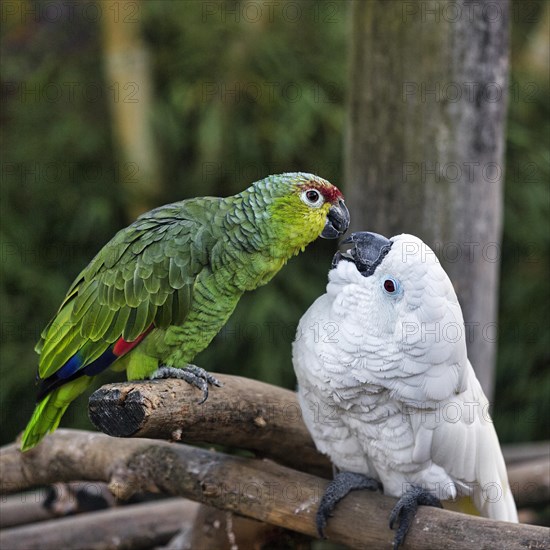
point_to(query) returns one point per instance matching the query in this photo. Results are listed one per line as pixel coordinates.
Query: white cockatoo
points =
(386, 387)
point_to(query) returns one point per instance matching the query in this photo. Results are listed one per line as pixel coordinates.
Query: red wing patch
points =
(122, 347)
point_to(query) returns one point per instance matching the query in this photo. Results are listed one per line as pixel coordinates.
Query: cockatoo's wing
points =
(459, 435)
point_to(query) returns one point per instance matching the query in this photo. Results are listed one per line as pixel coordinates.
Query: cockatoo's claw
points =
(192, 374)
(337, 489)
(406, 508)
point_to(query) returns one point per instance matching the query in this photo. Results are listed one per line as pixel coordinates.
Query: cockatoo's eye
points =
(312, 197)
(391, 286)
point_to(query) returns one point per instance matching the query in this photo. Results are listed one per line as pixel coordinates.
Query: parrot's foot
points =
(406, 508)
(338, 488)
(192, 374)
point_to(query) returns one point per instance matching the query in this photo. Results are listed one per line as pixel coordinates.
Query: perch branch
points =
(250, 415)
(246, 414)
(257, 489)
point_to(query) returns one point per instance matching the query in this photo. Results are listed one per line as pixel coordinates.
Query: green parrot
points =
(161, 289)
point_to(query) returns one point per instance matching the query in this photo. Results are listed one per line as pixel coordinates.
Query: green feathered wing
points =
(142, 280)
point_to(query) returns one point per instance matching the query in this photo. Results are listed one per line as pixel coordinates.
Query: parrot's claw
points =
(197, 377)
(406, 508)
(338, 488)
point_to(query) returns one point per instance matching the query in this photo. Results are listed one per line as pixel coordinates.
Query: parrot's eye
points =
(391, 286)
(312, 197)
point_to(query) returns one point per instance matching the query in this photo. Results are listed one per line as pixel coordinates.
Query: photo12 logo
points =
(268, 11)
(35, 11)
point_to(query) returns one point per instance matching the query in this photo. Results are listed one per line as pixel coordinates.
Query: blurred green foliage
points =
(235, 100)
(522, 406)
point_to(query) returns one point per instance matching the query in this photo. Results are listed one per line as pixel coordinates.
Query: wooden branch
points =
(521, 452)
(60, 499)
(136, 526)
(250, 415)
(20, 509)
(222, 530)
(530, 481)
(244, 413)
(261, 490)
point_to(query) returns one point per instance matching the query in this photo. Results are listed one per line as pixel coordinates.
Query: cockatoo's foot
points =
(406, 508)
(192, 374)
(337, 489)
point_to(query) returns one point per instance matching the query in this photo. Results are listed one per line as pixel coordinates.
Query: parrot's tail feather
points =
(46, 418)
(48, 412)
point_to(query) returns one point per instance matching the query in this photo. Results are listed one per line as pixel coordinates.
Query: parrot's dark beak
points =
(367, 254)
(337, 221)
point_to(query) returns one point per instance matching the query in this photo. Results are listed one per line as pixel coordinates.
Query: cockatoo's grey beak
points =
(337, 221)
(369, 250)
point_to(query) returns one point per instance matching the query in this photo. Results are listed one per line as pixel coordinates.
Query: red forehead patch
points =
(331, 193)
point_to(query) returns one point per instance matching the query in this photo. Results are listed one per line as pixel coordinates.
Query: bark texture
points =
(258, 417)
(425, 141)
(256, 489)
(244, 413)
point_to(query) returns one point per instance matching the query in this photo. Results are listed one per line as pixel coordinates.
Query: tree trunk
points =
(425, 141)
(128, 73)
